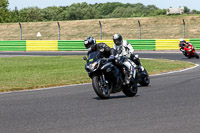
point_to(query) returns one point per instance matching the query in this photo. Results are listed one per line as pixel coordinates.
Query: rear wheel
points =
(145, 80)
(196, 55)
(131, 89)
(100, 87)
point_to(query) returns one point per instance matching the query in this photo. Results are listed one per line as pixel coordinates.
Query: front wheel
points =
(131, 89)
(100, 87)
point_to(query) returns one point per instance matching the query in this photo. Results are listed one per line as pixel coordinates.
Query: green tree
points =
(122, 12)
(81, 11)
(195, 12)
(159, 12)
(31, 14)
(52, 13)
(108, 8)
(4, 12)
(15, 15)
(186, 9)
(151, 9)
(140, 10)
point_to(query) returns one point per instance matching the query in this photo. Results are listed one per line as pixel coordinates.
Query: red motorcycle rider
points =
(187, 49)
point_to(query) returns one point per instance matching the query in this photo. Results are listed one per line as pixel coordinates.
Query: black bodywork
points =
(109, 74)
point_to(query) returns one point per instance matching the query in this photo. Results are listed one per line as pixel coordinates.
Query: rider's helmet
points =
(89, 42)
(182, 42)
(117, 38)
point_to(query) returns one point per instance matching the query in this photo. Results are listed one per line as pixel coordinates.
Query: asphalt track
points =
(171, 104)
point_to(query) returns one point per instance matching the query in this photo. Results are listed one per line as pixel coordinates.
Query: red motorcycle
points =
(189, 51)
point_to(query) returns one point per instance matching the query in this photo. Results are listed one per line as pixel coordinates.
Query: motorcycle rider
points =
(123, 49)
(182, 44)
(91, 46)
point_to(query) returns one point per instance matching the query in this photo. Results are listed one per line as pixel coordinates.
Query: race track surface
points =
(171, 104)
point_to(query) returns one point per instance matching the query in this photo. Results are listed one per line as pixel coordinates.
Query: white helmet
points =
(181, 40)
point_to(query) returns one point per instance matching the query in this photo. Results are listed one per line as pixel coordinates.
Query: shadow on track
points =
(115, 97)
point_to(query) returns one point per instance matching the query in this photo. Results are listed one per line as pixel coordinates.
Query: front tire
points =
(131, 89)
(101, 90)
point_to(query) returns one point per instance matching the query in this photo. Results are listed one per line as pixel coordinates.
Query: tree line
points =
(80, 11)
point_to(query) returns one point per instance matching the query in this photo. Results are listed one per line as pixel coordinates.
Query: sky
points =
(162, 4)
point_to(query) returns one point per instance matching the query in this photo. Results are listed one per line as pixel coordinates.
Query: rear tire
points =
(145, 80)
(196, 55)
(100, 90)
(131, 89)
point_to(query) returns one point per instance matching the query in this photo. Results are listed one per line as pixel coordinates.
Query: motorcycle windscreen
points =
(93, 56)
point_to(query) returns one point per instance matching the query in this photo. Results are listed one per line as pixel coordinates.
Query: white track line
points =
(196, 65)
(40, 89)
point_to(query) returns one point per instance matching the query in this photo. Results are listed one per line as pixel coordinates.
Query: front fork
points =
(103, 80)
(104, 83)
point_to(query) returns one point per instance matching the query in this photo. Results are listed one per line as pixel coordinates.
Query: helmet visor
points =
(182, 42)
(117, 42)
(87, 44)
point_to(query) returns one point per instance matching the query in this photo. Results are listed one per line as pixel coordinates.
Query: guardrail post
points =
(20, 30)
(100, 30)
(139, 29)
(58, 30)
(183, 28)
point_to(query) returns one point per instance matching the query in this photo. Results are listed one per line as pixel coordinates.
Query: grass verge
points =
(158, 27)
(20, 73)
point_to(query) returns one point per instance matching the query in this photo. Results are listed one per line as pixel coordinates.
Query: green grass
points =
(20, 73)
(155, 66)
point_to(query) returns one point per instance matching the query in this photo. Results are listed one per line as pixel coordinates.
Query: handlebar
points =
(107, 59)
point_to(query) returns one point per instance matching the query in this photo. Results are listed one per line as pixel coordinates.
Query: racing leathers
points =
(124, 53)
(102, 47)
(183, 45)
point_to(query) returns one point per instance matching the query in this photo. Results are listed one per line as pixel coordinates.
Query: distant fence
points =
(77, 45)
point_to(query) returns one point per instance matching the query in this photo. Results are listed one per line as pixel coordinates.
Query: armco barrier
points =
(108, 42)
(137, 44)
(12, 45)
(71, 45)
(41, 45)
(142, 44)
(173, 44)
(167, 44)
(78, 45)
(196, 43)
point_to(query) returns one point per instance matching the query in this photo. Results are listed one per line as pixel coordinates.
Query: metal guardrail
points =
(13, 45)
(77, 45)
